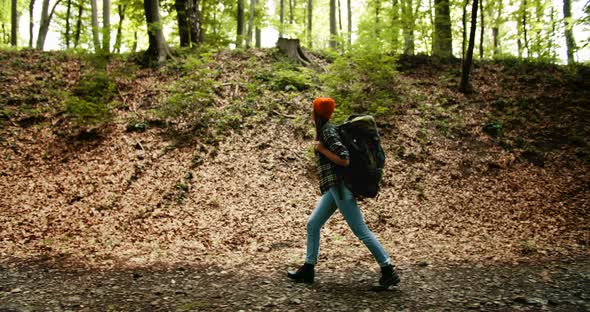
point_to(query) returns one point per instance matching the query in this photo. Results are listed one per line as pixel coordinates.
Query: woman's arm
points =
(330, 155)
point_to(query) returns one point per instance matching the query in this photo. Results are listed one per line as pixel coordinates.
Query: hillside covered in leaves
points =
(207, 160)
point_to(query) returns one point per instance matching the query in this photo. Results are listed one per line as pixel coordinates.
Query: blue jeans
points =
(339, 196)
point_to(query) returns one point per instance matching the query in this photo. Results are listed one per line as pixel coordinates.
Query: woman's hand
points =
(317, 145)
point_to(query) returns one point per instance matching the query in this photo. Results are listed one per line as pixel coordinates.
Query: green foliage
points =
(191, 104)
(494, 129)
(191, 95)
(89, 102)
(363, 81)
(286, 75)
(291, 80)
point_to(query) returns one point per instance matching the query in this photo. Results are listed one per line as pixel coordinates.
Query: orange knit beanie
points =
(324, 107)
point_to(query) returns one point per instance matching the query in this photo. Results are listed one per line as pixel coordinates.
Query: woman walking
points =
(331, 153)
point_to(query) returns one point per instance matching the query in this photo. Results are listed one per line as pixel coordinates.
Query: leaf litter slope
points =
(132, 200)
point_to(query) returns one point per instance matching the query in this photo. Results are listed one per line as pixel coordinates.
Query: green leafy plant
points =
(89, 103)
(362, 81)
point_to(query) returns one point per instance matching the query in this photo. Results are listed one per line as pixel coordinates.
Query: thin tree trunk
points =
(106, 30)
(251, 23)
(281, 18)
(570, 42)
(333, 29)
(14, 21)
(134, 45)
(442, 43)
(78, 24)
(45, 21)
(258, 37)
(524, 26)
(496, 30)
(377, 17)
(68, 16)
(94, 17)
(309, 23)
(481, 28)
(552, 34)
(291, 12)
(349, 23)
(240, 34)
(465, 86)
(339, 16)
(195, 23)
(395, 25)
(121, 9)
(31, 24)
(464, 24)
(158, 48)
(408, 26)
(202, 18)
(431, 18)
(538, 40)
(182, 20)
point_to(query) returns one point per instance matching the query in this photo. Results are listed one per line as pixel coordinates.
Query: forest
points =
(533, 29)
(158, 155)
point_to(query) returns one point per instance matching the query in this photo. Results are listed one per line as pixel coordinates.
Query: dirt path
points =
(546, 285)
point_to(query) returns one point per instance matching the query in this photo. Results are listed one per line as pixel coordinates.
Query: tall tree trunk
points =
(408, 26)
(339, 16)
(94, 17)
(106, 30)
(251, 23)
(552, 34)
(524, 27)
(496, 29)
(240, 33)
(42, 23)
(78, 24)
(442, 43)
(570, 42)
(349, 13)
(45, 21)
(195, 23)
(333, 29)
(68, 16)
(431, 18)
(258, 37)
(182, 20)
(291, 18)
(464, 32)
(158, 48)
(282, 18)
(121, 9)
(465, 86)
(377, 17)
(31, 24)
(395, 25)
(204, 16)
(309, 22)
(14, 21)
(481, 27)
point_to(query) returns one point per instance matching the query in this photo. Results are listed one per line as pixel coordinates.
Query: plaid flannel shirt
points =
(326, 168)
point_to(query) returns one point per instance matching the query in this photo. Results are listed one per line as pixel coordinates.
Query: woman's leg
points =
(352, 214)
(324, 209)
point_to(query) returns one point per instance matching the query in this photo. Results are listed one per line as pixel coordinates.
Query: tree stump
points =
(292, 48)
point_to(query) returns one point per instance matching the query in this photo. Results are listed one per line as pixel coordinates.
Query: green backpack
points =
(360, 135)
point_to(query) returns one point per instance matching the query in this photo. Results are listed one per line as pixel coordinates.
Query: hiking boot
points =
(304, 274)
(388, 279)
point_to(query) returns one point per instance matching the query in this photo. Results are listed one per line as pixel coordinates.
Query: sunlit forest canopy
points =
(549, 30)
